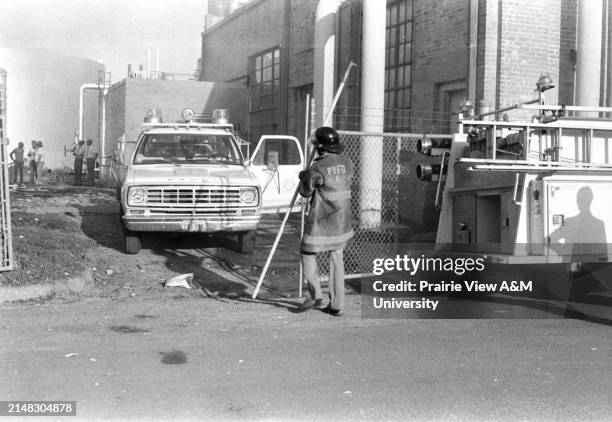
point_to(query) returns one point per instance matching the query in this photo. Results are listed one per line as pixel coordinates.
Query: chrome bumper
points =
(192, 224)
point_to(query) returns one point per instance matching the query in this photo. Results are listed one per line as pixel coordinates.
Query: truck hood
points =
(190, 174)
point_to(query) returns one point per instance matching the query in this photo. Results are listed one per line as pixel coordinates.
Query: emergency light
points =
(187, 114)
(154, 115)
(220, 116)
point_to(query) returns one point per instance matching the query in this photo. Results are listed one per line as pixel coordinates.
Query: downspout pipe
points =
(324, 56)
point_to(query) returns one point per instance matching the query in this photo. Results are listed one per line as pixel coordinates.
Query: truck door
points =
(277, 161)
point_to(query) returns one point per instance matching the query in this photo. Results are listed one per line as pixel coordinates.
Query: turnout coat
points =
(328, 183)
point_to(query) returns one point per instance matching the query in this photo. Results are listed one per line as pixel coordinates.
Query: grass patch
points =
(46, 247)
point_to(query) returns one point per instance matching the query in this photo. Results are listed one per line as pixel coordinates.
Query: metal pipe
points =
(303, 211)
(372, 112)
(588, 40)
(512, 107)
(103, 131)
(541, 169)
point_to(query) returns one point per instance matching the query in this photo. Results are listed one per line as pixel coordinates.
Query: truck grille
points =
(199, 196)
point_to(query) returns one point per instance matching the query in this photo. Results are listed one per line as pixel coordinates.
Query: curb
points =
(77, 284)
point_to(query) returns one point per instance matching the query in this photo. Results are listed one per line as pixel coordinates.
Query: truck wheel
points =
(132, 242)
(246, 242)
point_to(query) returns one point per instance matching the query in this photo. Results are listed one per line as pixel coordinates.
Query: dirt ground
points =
(62, 232)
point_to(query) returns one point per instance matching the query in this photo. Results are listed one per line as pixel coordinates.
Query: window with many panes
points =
(264, 88)
(265, 79)
(398, 64)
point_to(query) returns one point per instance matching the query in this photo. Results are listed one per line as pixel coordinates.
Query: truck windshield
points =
(187, 148)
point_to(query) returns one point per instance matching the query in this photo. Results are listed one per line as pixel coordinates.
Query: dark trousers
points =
(78, 170)
(91, 164)
(33, 171)
(18, 169)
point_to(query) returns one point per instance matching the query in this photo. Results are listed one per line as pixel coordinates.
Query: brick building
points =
(438, 52)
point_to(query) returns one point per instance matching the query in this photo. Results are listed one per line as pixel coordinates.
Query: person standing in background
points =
(34, 158)
(17, 156)
(79, 152)
(90, 156)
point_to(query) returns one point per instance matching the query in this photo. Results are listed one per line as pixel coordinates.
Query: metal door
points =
(277, 162)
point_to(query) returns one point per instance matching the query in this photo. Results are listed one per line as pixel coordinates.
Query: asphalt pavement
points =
(186, 358)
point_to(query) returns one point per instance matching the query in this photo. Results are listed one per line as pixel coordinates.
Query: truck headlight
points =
(137, 195)
(248, 196)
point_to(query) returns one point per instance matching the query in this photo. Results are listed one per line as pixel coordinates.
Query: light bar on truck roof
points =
(220, 116)
(187, 114)
(154, 115)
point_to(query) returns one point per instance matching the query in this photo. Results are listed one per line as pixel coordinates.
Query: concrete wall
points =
(43, 100)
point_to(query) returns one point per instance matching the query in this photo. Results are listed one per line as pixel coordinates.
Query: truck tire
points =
(132, 242)
(246, 242)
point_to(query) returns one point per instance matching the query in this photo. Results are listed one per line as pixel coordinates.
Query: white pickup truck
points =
(193, 177)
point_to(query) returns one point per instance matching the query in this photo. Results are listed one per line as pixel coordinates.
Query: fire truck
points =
(191, 176)
(531, 195)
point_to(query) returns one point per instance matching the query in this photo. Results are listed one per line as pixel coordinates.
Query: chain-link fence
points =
(391, 208)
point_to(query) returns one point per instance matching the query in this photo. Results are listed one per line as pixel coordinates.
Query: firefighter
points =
(328, 227)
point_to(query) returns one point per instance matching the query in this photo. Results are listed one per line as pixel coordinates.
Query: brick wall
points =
(519, 40)
(440, 57)
(228, 44)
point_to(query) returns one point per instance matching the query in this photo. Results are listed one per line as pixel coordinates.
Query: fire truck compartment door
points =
(579, 217)
(277, 162)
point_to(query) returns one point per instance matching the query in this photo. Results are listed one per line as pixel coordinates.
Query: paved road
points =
(186, 358)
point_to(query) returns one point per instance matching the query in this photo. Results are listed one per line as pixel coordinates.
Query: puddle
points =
(126, 329)
(145, 316)
(174, 357)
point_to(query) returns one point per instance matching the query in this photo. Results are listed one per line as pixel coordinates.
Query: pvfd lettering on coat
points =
(337, 169)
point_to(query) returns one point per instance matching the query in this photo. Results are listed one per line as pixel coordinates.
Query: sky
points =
(115, 32)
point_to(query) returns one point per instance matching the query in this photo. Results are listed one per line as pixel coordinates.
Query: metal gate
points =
(6, 240)
(405, 215)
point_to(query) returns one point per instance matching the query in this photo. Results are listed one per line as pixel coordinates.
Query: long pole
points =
(303, 212)
(295, 194)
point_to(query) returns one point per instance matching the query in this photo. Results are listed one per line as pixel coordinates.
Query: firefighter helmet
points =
(327, 139)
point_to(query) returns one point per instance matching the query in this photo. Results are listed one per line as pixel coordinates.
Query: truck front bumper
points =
(192, 224)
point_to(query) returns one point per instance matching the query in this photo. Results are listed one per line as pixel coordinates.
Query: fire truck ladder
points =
(554, 144)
